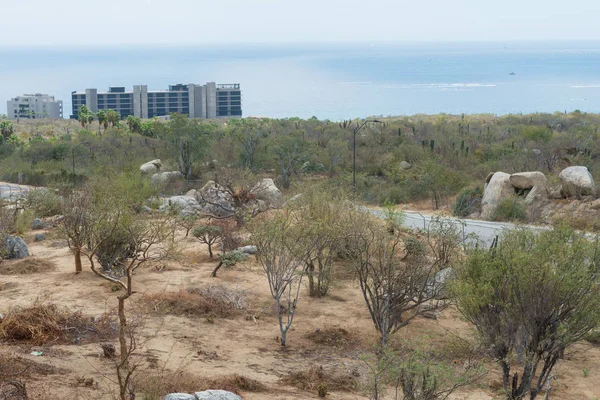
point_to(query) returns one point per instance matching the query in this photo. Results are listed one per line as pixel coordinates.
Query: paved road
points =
(485, 231)
(12, 191)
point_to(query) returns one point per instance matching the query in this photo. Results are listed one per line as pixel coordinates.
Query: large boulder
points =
(162, 178)
(38, 224)
(266, 191)
(577, 181)
(185, 205)
(535, 182)
(151, 167)
(216, 395)
(497, 188)
(15, 247)
(214, 199)
(179, 396)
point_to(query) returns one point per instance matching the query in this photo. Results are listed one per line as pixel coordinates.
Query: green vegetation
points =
(446, 153)
(530, 298)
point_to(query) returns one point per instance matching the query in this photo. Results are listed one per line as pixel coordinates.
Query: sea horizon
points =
(330, 81)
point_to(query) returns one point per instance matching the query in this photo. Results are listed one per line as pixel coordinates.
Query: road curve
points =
(485, 231)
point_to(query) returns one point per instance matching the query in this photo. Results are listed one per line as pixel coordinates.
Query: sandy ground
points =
(246, 347)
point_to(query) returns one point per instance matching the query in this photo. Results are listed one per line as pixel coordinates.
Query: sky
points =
(200, 22)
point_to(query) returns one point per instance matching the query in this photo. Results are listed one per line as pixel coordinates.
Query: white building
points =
(34, 106)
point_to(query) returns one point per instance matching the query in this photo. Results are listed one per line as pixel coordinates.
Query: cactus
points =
(431, 144)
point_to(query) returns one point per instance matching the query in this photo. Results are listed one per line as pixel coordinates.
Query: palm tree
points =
(102, 119)
(6, 128)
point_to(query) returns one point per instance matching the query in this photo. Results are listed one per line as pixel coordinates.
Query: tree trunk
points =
(78, 267)
(122, 329)
(310, 269)
(210, 253)
(214, 273)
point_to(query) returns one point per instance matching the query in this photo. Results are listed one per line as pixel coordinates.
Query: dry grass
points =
(47, 323)
(333, 337)
(154, 387)
(317, 379)
(209, 301)
(29, 265)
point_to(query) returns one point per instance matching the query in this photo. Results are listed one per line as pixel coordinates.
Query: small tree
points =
(415, 376)
(531, 297)
(77, 214)
(281, 254)
(187, 222)
(146, 240)
(209, 235)
(318, 214)
(395, 275)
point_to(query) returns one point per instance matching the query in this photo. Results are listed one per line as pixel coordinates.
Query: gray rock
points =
(146, 209)
(405, 165)
(266, 191)
(38, 237)
(151, 167)
(38, 224)
(16, 247)
(535, 182)
(216, 395)
(179, 396)
(162, 178)
(497, 188)
(184, 205)
(247, 249)
(577, 181)
(214, 200)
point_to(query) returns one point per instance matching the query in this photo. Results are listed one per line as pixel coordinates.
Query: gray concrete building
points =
(210, 100)
(34, 106)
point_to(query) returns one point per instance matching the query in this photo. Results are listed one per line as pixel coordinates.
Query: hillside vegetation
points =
(447, 152)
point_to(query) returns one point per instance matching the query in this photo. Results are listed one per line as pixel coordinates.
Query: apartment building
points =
(34, 106)
(210, 100)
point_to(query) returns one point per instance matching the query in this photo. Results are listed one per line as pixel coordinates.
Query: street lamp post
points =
(354, 150)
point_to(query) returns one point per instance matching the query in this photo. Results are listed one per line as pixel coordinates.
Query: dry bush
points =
(315, 378)
(47, 323)
(231, 238)
(29, 265)
(208, 301)
(15, 373)
(154, 387)
(333, 337)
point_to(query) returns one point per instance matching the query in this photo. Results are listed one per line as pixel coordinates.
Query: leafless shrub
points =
(47, 323)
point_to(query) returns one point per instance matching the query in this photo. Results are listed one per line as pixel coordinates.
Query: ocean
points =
(331, 81)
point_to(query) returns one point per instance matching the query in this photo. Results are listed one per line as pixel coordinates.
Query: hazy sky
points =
(110, 22)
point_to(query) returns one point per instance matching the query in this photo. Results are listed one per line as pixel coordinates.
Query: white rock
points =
(577, 181)
(151, 167)
(497, 188)
(266, 191)
(405, 165)
(165, 177)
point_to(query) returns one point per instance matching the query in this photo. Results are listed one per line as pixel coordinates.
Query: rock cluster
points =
(575, 181)
(213, 199)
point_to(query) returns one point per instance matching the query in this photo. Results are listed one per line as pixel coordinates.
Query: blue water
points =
(329, 81)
